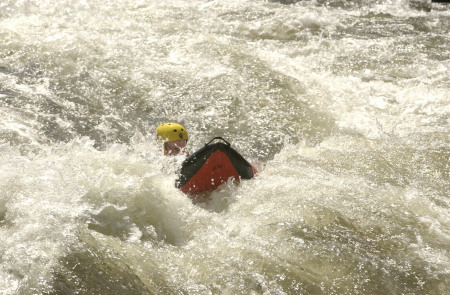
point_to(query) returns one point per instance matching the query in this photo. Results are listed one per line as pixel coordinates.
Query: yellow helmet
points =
(171, 132)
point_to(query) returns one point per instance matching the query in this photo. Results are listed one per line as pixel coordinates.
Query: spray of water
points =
(347, 103)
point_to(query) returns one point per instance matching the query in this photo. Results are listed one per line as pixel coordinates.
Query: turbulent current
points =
(347, 104)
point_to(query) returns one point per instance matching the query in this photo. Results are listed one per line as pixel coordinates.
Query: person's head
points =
(174, 136)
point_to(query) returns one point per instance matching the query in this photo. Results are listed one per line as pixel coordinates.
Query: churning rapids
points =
(347, 103)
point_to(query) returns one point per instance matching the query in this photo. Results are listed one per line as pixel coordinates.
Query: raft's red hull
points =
(211, 166)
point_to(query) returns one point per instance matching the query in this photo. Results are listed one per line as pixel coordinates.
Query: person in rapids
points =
(174, 137)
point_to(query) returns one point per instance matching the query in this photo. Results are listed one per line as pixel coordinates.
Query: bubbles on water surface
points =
(346, 103)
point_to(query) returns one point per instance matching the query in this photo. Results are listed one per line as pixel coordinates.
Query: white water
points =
(348, 105)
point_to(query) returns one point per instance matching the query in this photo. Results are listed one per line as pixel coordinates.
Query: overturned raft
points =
(211, 166)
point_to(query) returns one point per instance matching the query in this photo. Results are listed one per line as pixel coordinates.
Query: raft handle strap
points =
(218, 137)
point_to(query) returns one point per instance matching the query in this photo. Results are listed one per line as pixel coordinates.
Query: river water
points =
(346, 102)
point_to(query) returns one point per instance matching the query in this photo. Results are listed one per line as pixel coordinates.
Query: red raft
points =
(211, 166)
